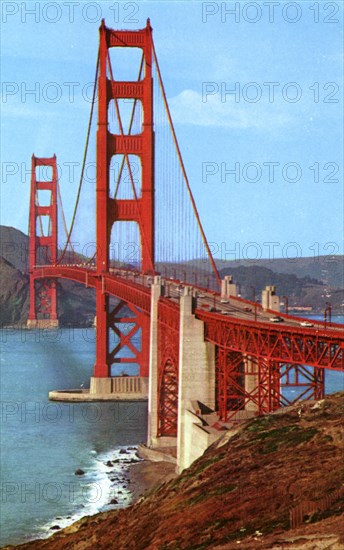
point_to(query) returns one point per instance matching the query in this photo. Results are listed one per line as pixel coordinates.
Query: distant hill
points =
(14, 296)
(14, 247)
(306, 282)
(326, 269)
(301, 291)
(76, 304)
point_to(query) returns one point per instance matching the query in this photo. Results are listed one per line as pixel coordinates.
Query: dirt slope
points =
(239, 493)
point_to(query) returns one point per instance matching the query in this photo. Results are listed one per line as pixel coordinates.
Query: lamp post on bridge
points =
(286, 301)
(195, 277)
(329, 311)
(254, 300)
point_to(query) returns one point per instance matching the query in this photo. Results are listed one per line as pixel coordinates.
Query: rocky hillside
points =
(14, 296)
(312, 283)
(301, 291)
(76, 304)
(242, 493)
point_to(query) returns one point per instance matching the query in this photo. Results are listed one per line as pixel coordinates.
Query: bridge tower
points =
(110, 210)
(43, 242)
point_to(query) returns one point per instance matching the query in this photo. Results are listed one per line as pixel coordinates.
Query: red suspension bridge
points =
(190, 341)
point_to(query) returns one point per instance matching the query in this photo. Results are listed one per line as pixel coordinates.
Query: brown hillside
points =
(239, 493)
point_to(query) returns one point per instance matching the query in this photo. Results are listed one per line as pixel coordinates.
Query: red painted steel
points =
(109, 210)
(43, 296)
(277, 354)
(168, 361)
(285, 344)
(255, 360)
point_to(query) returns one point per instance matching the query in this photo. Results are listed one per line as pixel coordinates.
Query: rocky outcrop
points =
(242, 493)
(14, 294)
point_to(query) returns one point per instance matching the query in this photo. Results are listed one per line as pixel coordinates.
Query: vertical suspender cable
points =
(184, 171)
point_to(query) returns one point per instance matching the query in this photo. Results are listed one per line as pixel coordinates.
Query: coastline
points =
(146, 475)
(124, 476)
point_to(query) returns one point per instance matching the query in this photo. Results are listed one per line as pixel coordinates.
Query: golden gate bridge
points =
(193, 339)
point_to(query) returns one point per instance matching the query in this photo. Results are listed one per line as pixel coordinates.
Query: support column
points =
(196, 373)
(43, 292)
(270, 300)
(153, 365)
(228, 288)
(251, 384)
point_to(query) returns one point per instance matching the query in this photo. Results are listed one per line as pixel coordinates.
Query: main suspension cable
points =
(84, 160)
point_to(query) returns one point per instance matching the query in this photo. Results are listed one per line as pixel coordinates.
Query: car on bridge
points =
(276, 319)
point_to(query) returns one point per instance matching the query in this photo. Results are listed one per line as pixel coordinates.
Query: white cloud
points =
(189, 108)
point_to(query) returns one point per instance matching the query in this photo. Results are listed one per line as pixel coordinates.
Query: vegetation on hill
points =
(242, 493)
(298, 280)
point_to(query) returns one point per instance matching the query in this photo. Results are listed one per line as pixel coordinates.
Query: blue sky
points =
(286, 147)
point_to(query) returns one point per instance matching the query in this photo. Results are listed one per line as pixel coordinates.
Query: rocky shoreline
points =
(131, 476)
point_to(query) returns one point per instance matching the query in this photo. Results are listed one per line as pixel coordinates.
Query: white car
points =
(276, 319)
(306, 324)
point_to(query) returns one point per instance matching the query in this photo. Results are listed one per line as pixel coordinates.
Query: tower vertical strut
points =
(112, 210)
(43, 247)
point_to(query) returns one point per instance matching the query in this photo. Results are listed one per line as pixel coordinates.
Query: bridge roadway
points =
(316, 345)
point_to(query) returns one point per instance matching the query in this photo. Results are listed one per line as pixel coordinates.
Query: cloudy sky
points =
(255, 90)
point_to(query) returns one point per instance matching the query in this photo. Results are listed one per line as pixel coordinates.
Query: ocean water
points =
(44, 443)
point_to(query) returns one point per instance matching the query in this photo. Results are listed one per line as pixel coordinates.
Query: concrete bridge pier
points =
(251, 383)
(152, 436)
(196, 378)
(44, 324)
(270, 300)
(228, 288)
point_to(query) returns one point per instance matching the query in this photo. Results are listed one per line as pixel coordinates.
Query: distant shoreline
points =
(142, 477)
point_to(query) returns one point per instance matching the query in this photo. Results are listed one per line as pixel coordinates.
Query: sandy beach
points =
(146, 475)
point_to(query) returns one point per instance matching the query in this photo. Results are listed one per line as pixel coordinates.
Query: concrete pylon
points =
(228, 288)
(196, 374)
(270, 300)
(251, 382)
(152, 435)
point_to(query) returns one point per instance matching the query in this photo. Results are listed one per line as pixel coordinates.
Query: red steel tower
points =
(43, 243)
(139, 209)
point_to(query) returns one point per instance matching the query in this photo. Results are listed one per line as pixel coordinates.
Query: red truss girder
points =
(132, 293)
(132, 332)
(229, 369)
(311, 380)
(43, 296)
(270, 378)
(232, 368)
(269, 393)
(285, 345)
(45, 290)
(168, 360)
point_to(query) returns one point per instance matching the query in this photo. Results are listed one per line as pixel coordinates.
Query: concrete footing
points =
(42, 324)
(116, 388)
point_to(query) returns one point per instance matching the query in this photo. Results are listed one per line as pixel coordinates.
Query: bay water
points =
(43, 443)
